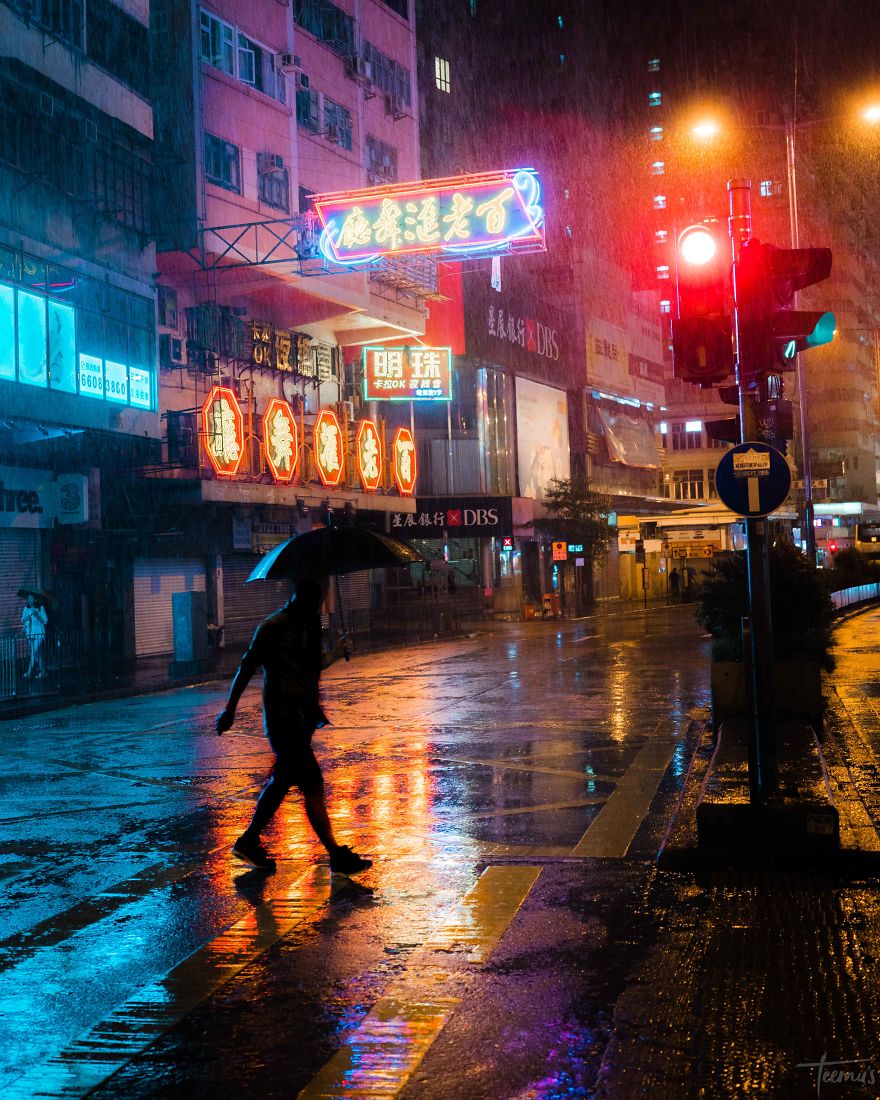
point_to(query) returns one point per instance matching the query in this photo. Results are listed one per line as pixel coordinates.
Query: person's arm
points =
(340, 649)
(250, 662)
(42, 616)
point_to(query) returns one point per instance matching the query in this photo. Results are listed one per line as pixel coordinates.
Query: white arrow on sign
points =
(754, 494)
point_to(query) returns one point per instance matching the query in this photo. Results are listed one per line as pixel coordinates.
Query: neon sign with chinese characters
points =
(404, 461)
(280, 439)
(485, 214)
(223, 431)
(368, 448)
(329, 449)
(407, 374)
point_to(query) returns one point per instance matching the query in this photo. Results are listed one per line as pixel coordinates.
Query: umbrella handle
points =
(341, 612)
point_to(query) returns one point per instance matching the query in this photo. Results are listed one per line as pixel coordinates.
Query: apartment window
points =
(274, 185)
(337, 123)
(654, 65)
(661, 236)
(655, 99)
(441, 74)
(118, 43)
(218, 43)
(305, 200)
(386, 74)
(234, 53)
(222, 163)
(381, 161)
(659, 202)
(400, 6)
(662, 271)
(665, 305)
(658, 167)
(63, 19)
(683, 439)
(656, 133)
(329, 24)
(687, 484)
(769, 188)
(308, 109)
(713, 491)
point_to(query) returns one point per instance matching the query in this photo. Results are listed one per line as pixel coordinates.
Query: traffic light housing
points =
(771, 332)
(702, 347)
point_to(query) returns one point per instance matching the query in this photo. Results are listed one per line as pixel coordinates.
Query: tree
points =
(577, 513)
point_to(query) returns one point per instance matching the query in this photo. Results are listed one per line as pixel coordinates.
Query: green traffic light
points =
(823, 331)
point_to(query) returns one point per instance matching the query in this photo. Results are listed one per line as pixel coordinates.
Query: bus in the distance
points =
(868, 539)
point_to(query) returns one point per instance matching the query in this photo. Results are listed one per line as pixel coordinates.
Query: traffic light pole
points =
(758, 640)
(800, 373)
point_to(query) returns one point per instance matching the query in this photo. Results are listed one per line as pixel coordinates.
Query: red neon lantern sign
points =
(329, 451)
(404, 461)
(368, 447)
(223, 431)
(280, 439)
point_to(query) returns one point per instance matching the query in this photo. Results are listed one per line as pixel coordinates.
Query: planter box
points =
(797, 687)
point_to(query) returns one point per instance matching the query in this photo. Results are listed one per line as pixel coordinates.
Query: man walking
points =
(287, 646)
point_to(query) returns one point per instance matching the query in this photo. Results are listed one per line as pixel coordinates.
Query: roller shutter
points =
(245, 605)
(155, 580)
(19, 565)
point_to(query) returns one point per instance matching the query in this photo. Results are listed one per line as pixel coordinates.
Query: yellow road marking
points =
(611, 831)
(382, 1054)
(133, 1026)
(394, 1037)
(480, 919)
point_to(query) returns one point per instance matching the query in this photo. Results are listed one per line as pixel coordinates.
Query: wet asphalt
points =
(513, 939)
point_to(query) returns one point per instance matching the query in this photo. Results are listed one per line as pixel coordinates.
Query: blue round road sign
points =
(753, 479)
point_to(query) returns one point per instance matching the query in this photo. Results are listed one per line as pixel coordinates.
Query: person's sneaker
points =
(347, 862)
(252, 850)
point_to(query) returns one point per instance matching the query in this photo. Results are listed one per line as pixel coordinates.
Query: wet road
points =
(512, 789)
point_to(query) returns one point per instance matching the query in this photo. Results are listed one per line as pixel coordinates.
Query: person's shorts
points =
(295, 761)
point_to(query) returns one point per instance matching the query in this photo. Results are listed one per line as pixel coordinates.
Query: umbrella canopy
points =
(330, 551)
(46, 597)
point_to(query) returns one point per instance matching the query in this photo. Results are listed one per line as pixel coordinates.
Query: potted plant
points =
(802, 616)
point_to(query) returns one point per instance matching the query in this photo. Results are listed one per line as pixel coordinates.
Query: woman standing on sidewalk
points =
(33, 626)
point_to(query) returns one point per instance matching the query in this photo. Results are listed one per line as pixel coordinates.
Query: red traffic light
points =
(701, 329)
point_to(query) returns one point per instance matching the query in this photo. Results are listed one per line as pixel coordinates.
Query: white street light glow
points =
(705, 129)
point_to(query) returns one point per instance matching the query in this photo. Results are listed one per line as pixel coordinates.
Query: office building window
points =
(222, 163)
(687, 484)
(441, 74)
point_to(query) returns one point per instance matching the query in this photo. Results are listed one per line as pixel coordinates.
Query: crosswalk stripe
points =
(155, 1009)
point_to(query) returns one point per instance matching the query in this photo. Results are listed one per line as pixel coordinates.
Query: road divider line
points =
(611, 831)
(132, 1027)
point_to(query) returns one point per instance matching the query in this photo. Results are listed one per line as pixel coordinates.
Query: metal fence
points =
(859, 593)
(63, 661)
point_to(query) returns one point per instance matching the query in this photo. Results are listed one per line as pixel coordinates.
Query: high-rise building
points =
(78, 385)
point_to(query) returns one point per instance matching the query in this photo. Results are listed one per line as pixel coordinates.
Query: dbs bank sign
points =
(473, 517)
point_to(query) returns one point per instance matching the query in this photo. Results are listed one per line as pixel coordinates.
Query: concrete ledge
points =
(800, 816)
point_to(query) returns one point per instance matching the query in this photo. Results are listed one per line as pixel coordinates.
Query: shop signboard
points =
(329, 451)
(223, 431)
(404, 461)
(280, 439)
(457, 517)
(407, 374)
(560, 551)
(368, 449)
(37, 498)
(483, 214)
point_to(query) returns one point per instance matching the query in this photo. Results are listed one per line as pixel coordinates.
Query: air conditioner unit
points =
(359, 70)
(287, 62)
(394, 107)
(332, 134)
(172, 350)
(267, 163)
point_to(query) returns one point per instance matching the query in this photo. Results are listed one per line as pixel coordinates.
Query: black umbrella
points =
(37, 593)
(331, 551)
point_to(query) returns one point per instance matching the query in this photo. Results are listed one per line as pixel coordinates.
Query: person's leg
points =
(271, 797)
(311, 783)
(319, 819)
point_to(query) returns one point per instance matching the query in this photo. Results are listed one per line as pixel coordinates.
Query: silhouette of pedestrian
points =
(674, 582)
(287, 645)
